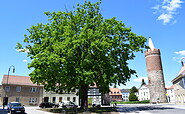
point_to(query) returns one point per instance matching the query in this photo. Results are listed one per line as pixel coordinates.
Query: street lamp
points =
(5, 99)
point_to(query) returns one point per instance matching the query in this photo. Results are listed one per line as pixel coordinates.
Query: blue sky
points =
(162, 20)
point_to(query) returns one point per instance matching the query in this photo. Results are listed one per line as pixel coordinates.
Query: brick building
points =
(155, 74)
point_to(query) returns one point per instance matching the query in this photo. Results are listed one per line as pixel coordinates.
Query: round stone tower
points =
(155, 75)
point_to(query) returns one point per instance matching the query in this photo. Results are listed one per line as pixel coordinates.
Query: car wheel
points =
(11, 112)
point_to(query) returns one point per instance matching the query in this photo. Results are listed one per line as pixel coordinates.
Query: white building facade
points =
(125, 94)
(170, 94)
(94, 95)
(179, 86)
(56, 98)
(143, 93)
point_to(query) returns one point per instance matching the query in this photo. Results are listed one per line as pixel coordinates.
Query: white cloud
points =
(167, 9)
(181, 53)
(165, 18)
(140, 79)
(25, 61)
(23, 50)
(180, 56)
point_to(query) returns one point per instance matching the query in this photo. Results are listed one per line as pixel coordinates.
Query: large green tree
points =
(79, 48)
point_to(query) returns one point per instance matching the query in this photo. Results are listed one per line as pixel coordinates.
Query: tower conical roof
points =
(150, 44)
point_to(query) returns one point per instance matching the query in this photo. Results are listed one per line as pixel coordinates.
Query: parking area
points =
(28, 110)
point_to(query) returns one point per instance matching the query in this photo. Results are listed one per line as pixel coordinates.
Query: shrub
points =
(133, 97)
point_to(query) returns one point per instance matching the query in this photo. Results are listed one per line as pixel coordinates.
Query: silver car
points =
(67, 104)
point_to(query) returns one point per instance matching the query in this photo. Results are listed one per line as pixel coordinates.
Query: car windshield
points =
(16, 104)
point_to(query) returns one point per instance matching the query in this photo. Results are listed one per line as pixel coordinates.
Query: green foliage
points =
(133, 97)
(133, 90)
(78, 48)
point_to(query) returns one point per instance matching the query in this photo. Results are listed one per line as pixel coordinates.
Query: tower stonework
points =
(155, 76)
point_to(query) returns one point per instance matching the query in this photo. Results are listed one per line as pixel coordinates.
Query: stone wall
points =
(155, 76)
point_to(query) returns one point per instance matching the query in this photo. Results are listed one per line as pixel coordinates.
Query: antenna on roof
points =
(182, 61)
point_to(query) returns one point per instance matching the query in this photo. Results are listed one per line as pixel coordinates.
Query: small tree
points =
(133, 90)
(133, 97)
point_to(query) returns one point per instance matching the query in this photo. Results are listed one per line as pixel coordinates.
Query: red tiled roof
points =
(18, 80)
(115, 91)
(170, 87)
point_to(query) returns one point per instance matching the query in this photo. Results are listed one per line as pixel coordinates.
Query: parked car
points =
(15, 107)
(48, 105)
(67, 104)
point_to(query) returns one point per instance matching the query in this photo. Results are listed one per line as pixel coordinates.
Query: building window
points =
(33, 89)
(18, 89)
(54, 99)
(68, 98)
(183, 79)
(17, 99)
(7, 88)
(73, 90)
(33, 100)
(74, 99)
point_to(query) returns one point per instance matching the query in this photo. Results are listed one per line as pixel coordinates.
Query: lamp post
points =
(5, 99)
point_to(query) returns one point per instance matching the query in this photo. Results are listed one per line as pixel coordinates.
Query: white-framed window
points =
(183, 80)
(33, 100)
(68, 98)
(7, 88)
(17, 99)
(18, 89)
(33, 89)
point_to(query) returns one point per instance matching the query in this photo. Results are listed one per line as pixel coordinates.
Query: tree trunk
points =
(84, 97)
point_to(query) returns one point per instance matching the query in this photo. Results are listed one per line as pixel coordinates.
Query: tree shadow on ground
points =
(141, 108)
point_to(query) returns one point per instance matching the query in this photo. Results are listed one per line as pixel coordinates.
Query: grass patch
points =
(80, 111)
(132, 102)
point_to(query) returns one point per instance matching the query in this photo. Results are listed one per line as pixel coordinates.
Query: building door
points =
(5, 101)
(60, 99)
(46, 99)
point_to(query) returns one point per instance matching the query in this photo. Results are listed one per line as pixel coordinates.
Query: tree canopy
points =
(133, 90)
(132, 97)
(79, 48)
